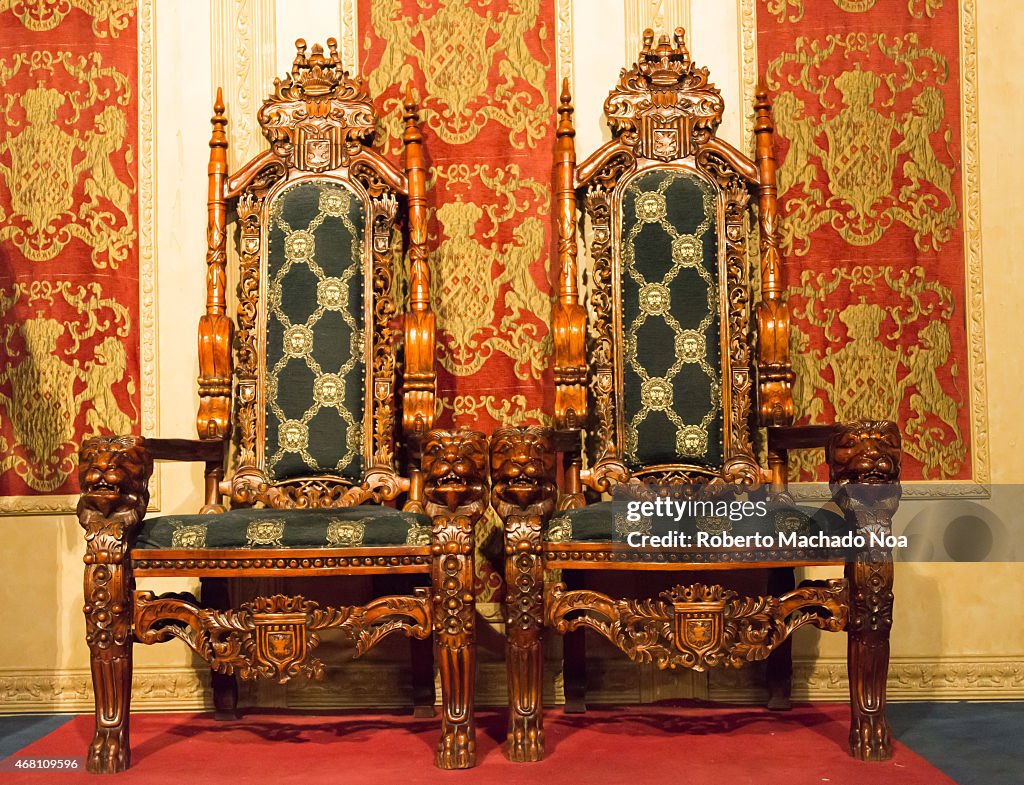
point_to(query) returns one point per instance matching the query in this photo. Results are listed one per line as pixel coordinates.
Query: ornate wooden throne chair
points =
(677, 368)
(336, 471)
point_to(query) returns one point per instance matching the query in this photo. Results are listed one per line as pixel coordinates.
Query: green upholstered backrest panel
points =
(315, 318)
(672, 381)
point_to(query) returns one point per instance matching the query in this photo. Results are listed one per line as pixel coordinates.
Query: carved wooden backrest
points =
(316, 347)
(669, 385)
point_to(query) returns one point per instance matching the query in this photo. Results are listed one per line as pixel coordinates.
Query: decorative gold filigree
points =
(476, 274)
(109, 17)
(860, 145)
(47, 387)
(455, 48)
(46, 157)
(795, 8)
(872, 375)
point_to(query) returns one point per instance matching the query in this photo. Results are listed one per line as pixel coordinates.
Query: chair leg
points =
(524, 624)
(108, 633)
(779, 665)
(870, 622)
(421, 655)
(214, 592)
(454, 629)
(574, 658)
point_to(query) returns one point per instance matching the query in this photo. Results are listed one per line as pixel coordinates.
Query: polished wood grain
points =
(319, 123)
(664, 113)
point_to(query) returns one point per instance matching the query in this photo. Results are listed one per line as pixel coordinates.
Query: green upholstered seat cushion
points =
(339, 527)
(594, 523)
(672, 368)
(315, 332)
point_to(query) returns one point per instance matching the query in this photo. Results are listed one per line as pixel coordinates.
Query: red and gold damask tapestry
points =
(485, 73)
(868, 100)
(69, 228)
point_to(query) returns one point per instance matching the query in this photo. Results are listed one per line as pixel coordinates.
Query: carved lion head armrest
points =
(864, 471)
(454, 467)
(523, 470)
(114, 473)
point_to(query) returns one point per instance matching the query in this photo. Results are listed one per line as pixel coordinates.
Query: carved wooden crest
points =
(699, 613)
(279, 629)
(664, 104)
(317, 115)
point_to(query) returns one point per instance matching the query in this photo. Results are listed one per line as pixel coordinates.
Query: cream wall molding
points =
(349, 44)
(244, 44)
(661, 16)
(385, 685)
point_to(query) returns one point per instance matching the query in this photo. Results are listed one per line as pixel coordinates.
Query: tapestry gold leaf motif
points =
(109, 17)
(867, 368)
(845, 151)
(47, 385)
(46, 156)
(793, 10)
(455, 48)
(476, 275)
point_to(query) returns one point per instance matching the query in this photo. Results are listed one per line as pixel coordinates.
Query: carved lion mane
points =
(455, 468)
(523, 465)
(114, 472)
(865, 452)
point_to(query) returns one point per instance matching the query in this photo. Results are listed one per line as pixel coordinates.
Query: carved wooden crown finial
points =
(664, 105)
(412, 109)
(317, 112)
(565, 111)
(665, 64)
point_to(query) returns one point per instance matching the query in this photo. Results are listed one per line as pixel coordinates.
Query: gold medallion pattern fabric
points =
(69, 238)
(315, 355)
(867, 98)
(672, 383)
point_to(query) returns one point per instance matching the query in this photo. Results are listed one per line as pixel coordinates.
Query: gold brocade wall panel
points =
(485, 74)
(70, 332)
(874, 101)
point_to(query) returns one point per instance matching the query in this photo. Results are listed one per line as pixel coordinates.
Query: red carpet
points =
(648, 745)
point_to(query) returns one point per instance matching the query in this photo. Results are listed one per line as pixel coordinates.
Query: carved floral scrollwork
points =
(272, 637)
(698, 626)
(664, 104)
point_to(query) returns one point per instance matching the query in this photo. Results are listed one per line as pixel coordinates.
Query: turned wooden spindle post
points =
(419, 379)
(569, 319)
(214, 418)
(775, 372)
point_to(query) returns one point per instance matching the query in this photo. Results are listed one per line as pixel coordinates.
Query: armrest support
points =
(799, 437)
(455, 472)
(205, 450)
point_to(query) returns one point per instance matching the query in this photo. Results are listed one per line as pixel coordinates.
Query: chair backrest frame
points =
(320, 124)
(664, 114)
